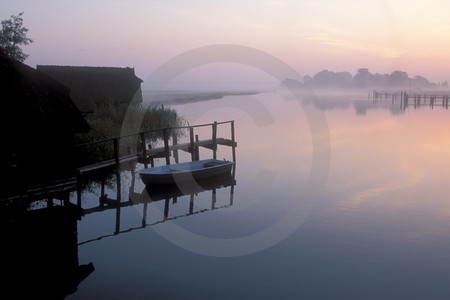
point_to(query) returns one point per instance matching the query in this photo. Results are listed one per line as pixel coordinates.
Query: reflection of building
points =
(94, 87)
(39, 248)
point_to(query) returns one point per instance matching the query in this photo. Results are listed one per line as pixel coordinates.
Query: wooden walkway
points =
(145, 154)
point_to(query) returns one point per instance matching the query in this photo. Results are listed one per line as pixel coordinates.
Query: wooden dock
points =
(145, 153)
(416, 99)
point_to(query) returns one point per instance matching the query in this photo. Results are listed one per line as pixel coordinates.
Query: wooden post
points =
(79, 191)
(191, 139)
(166, 145)
(152, 163)
(213, 199)
(197, 149)
(144, 149)
(66, 200)
(116, 151)
(405, 100)
(133, 179)
(175, 142)
(166, 209)
(191, 204)
(144, 214)
(233, 139)
(102, 192)
(214, 139)
(232, 193)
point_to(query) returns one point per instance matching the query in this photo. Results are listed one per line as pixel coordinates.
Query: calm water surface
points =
(378, 228)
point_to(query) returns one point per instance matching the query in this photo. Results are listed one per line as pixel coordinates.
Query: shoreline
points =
(184, 97)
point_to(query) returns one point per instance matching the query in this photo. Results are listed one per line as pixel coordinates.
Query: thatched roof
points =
(92, 86)
(35, 102)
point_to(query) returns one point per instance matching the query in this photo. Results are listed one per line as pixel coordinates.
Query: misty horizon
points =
(382, 36)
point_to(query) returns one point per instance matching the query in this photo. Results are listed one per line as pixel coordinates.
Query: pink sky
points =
(341, 35)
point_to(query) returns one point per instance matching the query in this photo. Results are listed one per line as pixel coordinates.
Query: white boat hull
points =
(183, 172)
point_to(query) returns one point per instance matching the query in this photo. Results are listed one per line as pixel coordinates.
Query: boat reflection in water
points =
(39, 247)
(169, 193)
(172, 191)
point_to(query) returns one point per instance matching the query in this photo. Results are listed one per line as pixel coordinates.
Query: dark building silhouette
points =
(39, 122)
(94, 87)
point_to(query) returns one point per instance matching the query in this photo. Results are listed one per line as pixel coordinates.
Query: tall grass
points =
(107, 123)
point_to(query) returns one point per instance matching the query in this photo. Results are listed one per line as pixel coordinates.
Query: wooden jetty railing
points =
(145, 153)
(417, 99)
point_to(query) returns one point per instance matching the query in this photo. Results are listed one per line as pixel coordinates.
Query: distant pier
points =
(416, 99)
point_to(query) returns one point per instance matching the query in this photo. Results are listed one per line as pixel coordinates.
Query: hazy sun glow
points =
(382, 35)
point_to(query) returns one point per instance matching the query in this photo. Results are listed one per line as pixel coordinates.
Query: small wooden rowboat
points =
(182, 172)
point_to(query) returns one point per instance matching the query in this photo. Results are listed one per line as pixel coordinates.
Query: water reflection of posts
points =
(148, 196)
(191, 204)
(154, 194)
(166, 209)
(119, 199)
(213, 199)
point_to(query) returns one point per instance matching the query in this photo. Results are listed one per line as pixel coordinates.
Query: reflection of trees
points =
(343, 102)
(362, 107)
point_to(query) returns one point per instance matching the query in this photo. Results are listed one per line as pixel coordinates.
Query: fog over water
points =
(379, 221)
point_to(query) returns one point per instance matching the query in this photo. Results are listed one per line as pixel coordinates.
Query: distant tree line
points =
(365, 79)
